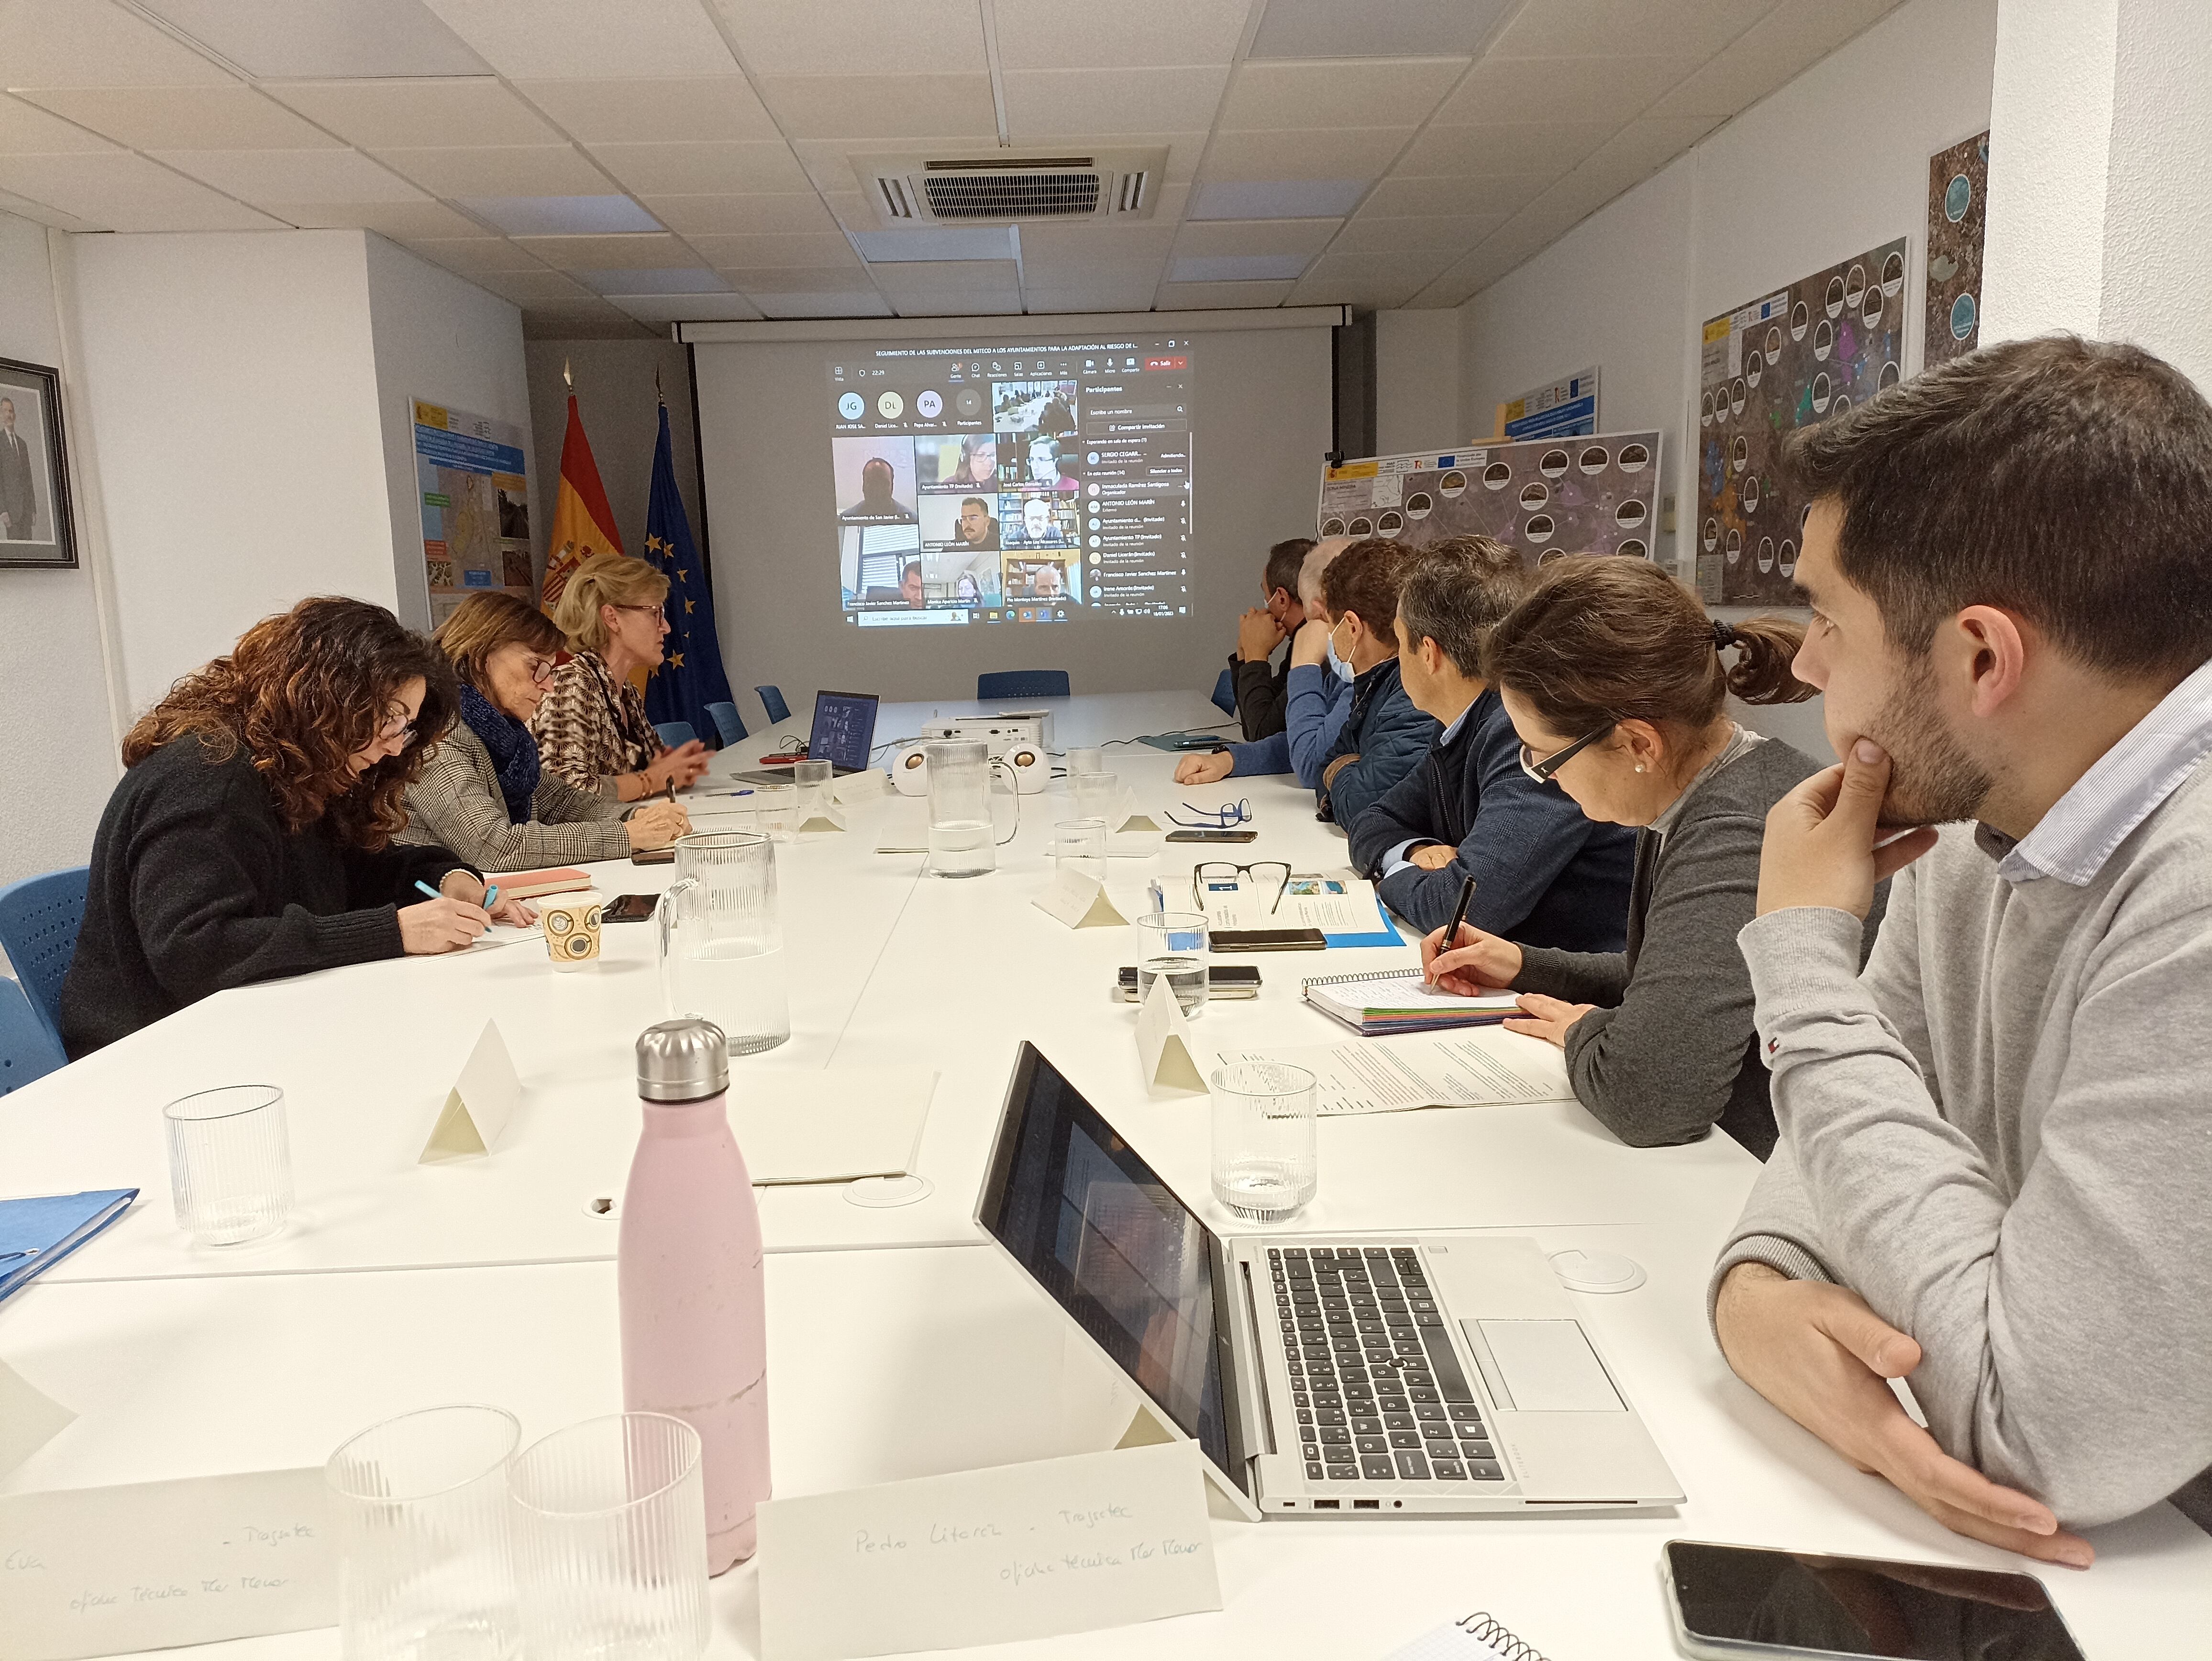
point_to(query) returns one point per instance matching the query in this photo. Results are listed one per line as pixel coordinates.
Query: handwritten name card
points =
(148, 1565)
(1079, 1544)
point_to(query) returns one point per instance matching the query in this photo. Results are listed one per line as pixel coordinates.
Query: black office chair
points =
(1022, 684)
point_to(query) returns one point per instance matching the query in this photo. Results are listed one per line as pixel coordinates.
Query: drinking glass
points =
(419, 1520)
(1098, 796)
(720, 935)
(1264, 1160)
(1087, 760)
(962, 843)
(775, 810)
(1173, 944)
(1079, 845)
(812, 779)
(611, 1541)
(230, 1163)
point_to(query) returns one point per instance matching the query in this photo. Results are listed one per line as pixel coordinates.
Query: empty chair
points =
(39, 920)
(727, 726)
(1023, 684)
(675, 733)
(1225, 693)
(772, 701)
(28, 1050)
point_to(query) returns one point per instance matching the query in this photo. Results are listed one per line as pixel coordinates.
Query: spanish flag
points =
(583, 524)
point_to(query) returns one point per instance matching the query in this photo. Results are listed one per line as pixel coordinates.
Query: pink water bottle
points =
(694, 1314)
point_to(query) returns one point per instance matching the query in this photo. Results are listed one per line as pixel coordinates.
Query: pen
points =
(1459, 915)
(490, 898)
(427, 889)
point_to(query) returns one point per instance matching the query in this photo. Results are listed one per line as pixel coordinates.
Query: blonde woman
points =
(592, 728)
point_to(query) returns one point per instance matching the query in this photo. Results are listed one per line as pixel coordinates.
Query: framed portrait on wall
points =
(35, 526)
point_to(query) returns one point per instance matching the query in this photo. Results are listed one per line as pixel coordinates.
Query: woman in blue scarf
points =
(482, 792)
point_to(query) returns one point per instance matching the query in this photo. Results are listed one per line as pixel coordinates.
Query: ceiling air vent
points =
(1002, 189)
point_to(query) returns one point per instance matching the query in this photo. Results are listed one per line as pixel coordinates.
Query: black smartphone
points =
(1223, 980)
(630, 908)
(1739, 1603)
(1213, 835)
(1268, 939)
(654, 856)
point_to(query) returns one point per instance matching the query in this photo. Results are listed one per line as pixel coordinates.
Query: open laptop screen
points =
(844, 729)
(1109, 1242)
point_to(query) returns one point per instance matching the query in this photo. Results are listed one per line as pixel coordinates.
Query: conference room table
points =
(899, 1347)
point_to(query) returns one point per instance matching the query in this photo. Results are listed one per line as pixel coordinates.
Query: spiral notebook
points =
(1476, 1638)
(1386, 1000)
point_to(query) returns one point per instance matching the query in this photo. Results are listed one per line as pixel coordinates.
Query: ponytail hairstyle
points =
(1602, 639)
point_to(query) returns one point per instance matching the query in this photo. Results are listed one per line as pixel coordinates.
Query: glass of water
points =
(1079, 845)
(1083, 761)
(1264, 1157)
(230, 1163)
(1173, 944)
(1096, 796)
(812, 779)
(775, 810)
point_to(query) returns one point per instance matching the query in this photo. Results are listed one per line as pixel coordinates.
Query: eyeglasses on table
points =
(1276, 871)
(1213, 818)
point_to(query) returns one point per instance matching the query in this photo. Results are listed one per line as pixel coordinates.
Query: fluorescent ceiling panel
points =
(950, 242)
(1376, 28)
(1235, 267)
(675, 280)
(1285, 198)
(560, 216)
(319, 39)
(554, 40)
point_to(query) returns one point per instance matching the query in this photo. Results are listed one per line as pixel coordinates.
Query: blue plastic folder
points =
(1385, 933)
(37, 1233)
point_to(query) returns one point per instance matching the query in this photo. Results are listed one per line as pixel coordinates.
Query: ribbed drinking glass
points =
(1079, 845)
(419, 1518)
(1098, 796)
(611, 1541)
(230, 1163)
(1264, 1155)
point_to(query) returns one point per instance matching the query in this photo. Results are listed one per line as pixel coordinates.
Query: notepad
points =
(1475, 1638)
(37, 1232)
(529, 884)
(1399, 1000)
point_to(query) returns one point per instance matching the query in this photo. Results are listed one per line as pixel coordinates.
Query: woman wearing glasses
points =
(251, 835)
(484, 792)
(592, 728)
(1617, 683)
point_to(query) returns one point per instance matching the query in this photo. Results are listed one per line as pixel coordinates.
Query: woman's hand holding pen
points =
(1476, 962)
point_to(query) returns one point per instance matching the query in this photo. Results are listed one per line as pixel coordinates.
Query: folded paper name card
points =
(1078, 901)
(29, 1419)
(483, 1099)
(150, 1565)
(1164, 1044)
(1080, 1544)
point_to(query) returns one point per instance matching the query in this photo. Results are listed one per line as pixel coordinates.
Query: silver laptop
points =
(1429, 1375)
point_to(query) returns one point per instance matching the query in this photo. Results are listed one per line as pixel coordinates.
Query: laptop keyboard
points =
(1379, 1393)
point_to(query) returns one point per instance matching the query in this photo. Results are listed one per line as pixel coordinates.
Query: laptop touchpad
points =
(1549, 1367)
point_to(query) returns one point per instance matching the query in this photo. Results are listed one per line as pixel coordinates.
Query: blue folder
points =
(37, 1232)
(1385, 933)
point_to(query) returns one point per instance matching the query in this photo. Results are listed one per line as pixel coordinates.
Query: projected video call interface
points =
(1029, 484)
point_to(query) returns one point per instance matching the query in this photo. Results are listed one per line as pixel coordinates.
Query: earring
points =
(1639, 766)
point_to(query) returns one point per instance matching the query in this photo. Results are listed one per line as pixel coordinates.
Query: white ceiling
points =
(612, 166)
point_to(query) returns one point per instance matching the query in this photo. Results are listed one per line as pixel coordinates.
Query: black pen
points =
(1459, 916)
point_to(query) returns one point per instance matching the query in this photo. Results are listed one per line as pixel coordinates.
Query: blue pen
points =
(427, 889)
(491, 894)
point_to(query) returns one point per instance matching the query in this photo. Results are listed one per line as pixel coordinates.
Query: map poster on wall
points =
(1787, 361)
(1957, 178)
(1565, 409)
(473, 478)
(1596, 494)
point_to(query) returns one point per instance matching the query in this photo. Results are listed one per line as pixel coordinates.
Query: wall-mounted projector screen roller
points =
(939, 497)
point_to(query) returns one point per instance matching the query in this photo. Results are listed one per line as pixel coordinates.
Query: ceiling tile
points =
(561, 215)
(589, 319)
(537, 287)
(1303, 198)
(798, 279)
(1413, 269)
(266, 176)
(665, 308)
(1212, 296)
(1050, 103)
(401, 221)
(1457, 231)
(1376, 28)
(1343, 93)
(1793, 36)
(818, 249)
(26, 129)
(824, 37)
(319, 38)
(1061, 34)
(1625, 28)
(745, 215)
(1303, 237)
(958, 303)
(1409, 198)
(1365, 294)
(1530, 89)
(471, 255)
(1345, 153)
(1121, 275)
(1133, 295)
(1543, 148)
(1234, 268)
(410, 114)
(995, 276)
(231, 118)
(849, 108)
(550, 39)
(934, 244)
(642, 251)
(668, 109)
(715, 167)
(676, 279)
(50, 43)
(39, 214)
(852, 302)
(499, 170)
(126, 192)
(1053, 244)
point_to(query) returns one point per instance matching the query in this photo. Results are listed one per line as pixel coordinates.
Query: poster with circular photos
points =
(1788, 360)
(1958, 180)
(1597, 494)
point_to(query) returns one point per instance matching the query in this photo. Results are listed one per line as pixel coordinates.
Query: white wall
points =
(1417, 401)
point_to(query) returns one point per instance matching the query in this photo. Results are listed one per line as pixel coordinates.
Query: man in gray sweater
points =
(1994, 1174)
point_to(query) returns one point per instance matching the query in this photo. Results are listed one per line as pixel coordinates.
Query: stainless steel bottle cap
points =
(682, 1061)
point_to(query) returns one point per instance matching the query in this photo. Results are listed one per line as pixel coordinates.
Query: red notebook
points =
(530, 885)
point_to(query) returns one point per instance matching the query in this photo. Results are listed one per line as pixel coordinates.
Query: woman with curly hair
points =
(250, 836)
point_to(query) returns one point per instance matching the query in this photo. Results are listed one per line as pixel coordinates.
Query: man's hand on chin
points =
(1819, 848)
(1822, 1356)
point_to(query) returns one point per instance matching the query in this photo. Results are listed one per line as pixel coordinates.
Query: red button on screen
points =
(1166, 362)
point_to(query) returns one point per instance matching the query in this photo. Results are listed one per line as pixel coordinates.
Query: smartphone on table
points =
(1213, 835)
(1223, 980)
(654, 856)
(630, 908)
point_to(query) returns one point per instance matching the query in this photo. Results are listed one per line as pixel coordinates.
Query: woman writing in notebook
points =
(1617, 683)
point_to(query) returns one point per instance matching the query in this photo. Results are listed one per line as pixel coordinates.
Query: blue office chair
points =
(1022, 684)
(728, 726)
(772, 701)
(28, 1050)
(675, 733)
(39, 921)
(1225, 693)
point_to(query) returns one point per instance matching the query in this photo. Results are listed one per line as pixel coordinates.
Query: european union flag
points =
(690, 676)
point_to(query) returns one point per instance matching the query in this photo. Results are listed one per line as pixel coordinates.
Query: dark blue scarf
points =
(513, 752)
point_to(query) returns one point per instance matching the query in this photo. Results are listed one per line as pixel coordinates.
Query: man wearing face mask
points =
(1314, 703)
(1383, 737)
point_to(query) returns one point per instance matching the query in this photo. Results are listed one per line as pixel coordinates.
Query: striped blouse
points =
(591, 726)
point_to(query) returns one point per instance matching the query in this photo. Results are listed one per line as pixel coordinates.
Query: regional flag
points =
(583, 524)
(690, 676)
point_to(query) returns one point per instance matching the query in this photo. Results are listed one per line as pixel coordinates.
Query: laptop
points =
(1395, 1375)
(844, 735)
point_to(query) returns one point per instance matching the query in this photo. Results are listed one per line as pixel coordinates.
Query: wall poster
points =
(1590, 495)
(1958, 180)
(1565, 409)
(474, 485)
(1786, 361)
